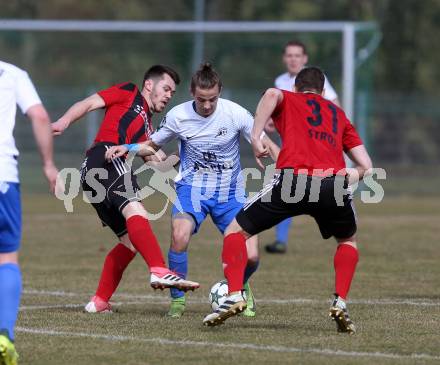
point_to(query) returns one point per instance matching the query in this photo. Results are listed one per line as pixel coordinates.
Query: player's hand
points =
(51, 173)
(115, 152)
(260, 151)
(59, 126)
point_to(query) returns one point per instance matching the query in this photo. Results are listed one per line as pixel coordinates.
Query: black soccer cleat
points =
(276, 247)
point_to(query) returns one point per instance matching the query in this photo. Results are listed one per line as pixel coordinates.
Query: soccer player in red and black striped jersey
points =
(313, 180)
(127, 119)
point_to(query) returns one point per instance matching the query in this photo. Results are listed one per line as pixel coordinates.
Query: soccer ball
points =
(218, 294)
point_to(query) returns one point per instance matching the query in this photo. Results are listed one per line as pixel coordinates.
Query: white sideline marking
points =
(243, 346)
(422, 302)
(53, 293)
(80, 305)
(58, 293)
(34, 307)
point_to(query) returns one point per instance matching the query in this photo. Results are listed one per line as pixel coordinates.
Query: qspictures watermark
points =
(294, 185)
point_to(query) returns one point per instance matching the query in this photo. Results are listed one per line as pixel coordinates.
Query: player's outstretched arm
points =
(362, 161)
(43, 136)
(144, 149)
(77, 111)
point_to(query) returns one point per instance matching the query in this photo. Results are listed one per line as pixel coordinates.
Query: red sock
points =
(114, 266)
(144, 240)
(234, 258)
(345, 260)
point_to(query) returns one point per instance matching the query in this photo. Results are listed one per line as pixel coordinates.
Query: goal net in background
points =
(69, 60)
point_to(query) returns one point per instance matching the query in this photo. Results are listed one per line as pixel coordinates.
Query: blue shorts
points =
(222, 207)
(10, 217)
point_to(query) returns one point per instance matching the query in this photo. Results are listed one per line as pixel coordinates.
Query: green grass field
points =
(395, 297)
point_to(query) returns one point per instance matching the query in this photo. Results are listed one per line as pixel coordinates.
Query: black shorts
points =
(109, 186)
(328, 200)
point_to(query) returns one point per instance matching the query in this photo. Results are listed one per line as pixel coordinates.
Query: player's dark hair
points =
(310, 79)
(157, 72)
(295, 44)
(205, 78)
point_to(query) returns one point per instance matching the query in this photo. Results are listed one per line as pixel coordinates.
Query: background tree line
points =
(407, 59)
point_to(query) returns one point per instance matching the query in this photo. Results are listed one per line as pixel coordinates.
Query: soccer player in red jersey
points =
(313, 180)
(295, 58)
(127, 119)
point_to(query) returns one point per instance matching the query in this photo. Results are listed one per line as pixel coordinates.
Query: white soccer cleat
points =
(233, 305)
(168, 279)
(97, 305)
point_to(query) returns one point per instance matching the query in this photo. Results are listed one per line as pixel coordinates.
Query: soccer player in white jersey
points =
(208, 129)
(16, 88)
(295, 58)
